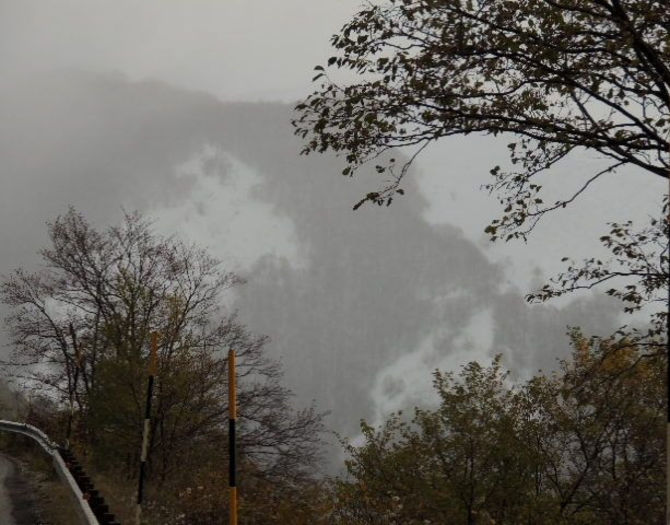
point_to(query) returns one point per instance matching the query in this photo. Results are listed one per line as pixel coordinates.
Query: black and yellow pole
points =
(232, 414)
(667, 370)
(153, 370)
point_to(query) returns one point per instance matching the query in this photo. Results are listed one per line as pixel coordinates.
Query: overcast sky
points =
(265, 50)
(234, 49)
(189, 161)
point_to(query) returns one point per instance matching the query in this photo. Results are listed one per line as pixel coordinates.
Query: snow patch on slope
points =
(406, 382)
(216, 210)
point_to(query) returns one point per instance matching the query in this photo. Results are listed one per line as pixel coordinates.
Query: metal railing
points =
(82, 506)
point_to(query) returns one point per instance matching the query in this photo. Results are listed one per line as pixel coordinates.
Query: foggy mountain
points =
(360, 306)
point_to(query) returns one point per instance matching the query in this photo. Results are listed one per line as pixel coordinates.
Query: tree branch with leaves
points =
(558, 76)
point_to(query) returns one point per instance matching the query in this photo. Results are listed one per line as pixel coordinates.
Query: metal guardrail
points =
(82, 506)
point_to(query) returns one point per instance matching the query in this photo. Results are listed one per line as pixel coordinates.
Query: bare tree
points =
(81, 328)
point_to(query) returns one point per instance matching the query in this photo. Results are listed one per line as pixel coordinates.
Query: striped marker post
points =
(667, 370)
(153, 370)
(232, 414)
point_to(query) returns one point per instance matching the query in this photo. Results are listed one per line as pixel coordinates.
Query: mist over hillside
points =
(360, 306)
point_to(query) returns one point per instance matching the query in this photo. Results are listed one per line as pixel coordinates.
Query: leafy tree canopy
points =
(584, 445)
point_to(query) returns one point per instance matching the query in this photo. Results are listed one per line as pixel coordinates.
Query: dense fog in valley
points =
(353, 262)
(360, 306)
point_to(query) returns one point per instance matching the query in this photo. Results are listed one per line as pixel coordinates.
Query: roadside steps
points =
(95, 500)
